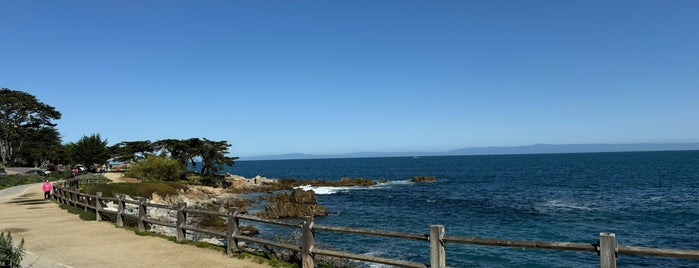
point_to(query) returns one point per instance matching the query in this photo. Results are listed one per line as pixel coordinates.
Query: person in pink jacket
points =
(47, 189)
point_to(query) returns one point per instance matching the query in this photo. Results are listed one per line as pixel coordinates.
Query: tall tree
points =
(90, 150)
(130, 151)
(40, 146)
(181, 150)
(213, 157)
(21, 113)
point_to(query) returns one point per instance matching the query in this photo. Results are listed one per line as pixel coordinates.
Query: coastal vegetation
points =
(89, 150)
(145, 189)
(10, 255)
(168, 160)
(14, 180)
(157, 168)
(26, 124)
(28, 137)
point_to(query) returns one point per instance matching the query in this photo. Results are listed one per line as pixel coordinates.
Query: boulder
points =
(423, 179)
(299, 196)
(298, 204)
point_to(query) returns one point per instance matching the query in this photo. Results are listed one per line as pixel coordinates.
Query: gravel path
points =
(56, 238)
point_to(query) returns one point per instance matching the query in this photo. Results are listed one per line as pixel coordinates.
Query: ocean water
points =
(647, 199)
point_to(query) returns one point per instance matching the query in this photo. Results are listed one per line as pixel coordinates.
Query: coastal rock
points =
(240, 183)
(423, 179)
(299, 203)
(299, 196)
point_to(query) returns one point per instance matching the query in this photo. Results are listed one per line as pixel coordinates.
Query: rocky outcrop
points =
(299, 203)
(423, 179)
(344, 182)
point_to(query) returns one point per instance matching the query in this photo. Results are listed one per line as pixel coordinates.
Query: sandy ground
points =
(115, 176)
(56, 238)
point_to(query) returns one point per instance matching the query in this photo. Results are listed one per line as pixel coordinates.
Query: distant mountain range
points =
(528, 149)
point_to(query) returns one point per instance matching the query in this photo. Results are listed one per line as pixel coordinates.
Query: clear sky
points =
(326, 77)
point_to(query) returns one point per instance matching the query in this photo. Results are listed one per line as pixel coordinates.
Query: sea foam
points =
(323, 190)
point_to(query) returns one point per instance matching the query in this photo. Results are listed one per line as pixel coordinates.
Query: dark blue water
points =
(646, 198)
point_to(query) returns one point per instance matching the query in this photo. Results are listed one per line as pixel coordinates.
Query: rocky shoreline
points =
(278, 198)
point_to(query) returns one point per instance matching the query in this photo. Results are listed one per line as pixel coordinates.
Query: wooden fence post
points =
(232, 242)
(437, 252)
(120, 211)
(308, 243)
(181, 221)
(86, 199)
(607, 250)
(141, 214)
(98, 206)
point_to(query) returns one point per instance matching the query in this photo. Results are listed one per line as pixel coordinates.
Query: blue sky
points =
(326, 77)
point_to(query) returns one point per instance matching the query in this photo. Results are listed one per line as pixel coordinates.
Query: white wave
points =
(323, 189)
(336, 189)
(395, 182)
(562, 204)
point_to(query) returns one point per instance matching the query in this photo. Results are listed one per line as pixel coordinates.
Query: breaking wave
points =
(324, 190)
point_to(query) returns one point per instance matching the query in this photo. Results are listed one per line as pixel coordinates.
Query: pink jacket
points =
(47, 186)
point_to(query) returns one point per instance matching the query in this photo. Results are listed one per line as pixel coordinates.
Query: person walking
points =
(47, 189)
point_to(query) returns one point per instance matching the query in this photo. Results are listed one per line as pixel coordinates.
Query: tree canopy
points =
(130, 151)
(157, 168)
(212, 154)
(20, 115)
(90, 150)
(41, 145)
(28, 136)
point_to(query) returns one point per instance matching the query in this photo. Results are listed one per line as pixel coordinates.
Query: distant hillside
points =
(576, 148)
(529, 149)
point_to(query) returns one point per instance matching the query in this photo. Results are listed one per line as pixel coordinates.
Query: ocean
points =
(648, 199)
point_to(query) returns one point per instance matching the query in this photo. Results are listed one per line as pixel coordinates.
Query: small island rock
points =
(423, 179)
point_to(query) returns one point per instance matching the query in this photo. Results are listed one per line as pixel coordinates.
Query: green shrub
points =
(157, 168)
(134, 190)
(10, 256)
(14, 180)
(60, 175)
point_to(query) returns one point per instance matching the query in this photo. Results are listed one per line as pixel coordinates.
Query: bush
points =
(145, 189)
(14, 180)
(60, 175)
(10, 256)
(157, 168)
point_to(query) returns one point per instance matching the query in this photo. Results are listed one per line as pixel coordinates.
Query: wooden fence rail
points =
(606, 247)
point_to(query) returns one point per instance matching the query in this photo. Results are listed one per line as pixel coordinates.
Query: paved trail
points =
(56, 238)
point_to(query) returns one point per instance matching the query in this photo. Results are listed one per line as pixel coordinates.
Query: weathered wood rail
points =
(77, 181)
(606, 247)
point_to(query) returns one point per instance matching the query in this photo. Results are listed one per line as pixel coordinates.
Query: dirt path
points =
(56, 238)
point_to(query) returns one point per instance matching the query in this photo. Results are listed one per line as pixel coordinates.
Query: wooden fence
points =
(606, 247)
(75, 182)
